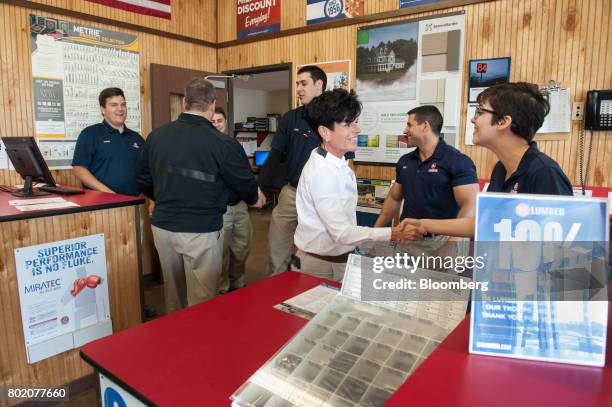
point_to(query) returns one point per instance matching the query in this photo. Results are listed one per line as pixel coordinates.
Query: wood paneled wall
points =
(293, 15)
(191, 18)
(119, 228)
(566, 40)
(16, 103)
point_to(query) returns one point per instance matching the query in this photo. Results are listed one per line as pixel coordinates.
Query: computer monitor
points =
(29, 163)
(260, 157)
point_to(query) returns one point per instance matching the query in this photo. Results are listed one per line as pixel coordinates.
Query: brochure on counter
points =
(310, 302)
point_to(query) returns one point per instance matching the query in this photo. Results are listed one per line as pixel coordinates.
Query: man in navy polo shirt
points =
(435, 181)
(506, 120)
(106, 152)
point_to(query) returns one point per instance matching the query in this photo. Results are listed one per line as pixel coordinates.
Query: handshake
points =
(408, 229)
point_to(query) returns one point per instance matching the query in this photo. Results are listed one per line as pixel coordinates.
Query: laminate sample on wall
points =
(440, 51)
(432, 91)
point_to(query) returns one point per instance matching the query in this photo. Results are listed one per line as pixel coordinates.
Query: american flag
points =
(157, 8)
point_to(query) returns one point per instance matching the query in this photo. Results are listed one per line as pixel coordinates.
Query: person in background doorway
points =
(237, 230)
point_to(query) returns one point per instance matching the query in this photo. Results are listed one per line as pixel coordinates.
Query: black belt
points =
(186, 172)
(339, 258)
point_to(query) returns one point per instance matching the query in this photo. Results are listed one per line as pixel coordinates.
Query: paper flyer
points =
(63, 287)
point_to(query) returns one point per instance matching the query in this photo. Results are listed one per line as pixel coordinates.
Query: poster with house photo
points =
(401, 66)
(338, 74)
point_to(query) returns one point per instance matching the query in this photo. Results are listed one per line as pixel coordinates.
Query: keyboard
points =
(60, 190)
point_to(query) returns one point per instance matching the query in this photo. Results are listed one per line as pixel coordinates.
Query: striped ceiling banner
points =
(157, 8)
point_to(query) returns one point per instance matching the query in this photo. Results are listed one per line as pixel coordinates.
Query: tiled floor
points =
(154, 292)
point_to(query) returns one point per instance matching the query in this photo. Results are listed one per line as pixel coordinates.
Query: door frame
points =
(167, 80)
(253, 71)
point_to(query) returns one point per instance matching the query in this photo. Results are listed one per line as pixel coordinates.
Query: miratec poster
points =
(256, 17)
(71, 64)
(63, 290)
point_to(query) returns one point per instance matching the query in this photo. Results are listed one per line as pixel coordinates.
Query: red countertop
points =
(201, 355)
(88, 201)
(453, 377)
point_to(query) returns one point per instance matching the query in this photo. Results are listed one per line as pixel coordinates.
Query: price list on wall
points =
(71, 64)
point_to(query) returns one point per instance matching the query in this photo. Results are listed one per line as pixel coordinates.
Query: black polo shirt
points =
(109, 155)
(190, 169)
(537, 173)
(296, 140)
(428, 185)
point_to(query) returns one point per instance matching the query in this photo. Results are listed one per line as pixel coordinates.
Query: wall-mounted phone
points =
(598, 117)
(598, 110)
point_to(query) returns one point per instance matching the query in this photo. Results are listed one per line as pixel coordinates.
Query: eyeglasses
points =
(481, 110)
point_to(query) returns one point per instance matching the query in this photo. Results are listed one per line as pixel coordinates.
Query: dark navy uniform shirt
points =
(190, 169)
(296, 139)
(537, 173)
(292, 144)
(109, 155)
(428, 185)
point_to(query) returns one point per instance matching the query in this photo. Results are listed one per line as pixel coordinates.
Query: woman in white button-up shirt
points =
(326, 198)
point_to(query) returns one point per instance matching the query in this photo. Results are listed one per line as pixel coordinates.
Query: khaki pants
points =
(316, 267)
(191, 265)
(238, 235)
(281, 232)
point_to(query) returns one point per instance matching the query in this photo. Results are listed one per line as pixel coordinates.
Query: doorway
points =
(258, 98)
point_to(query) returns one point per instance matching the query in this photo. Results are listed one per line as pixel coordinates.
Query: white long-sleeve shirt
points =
(326, 203)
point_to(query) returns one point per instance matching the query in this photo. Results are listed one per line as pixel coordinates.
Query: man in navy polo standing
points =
(106, 152)
(293, 143)
(435, 181)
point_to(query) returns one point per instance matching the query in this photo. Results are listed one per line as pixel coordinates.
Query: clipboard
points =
(559, 119)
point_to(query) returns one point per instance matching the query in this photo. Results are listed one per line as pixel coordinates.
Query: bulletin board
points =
(71, 65)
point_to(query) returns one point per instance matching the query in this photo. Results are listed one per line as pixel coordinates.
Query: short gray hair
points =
(199, 93)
